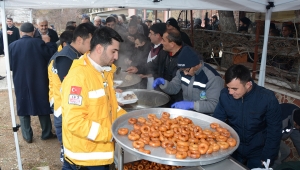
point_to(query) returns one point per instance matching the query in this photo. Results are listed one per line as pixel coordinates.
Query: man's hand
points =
(158, 82)
(119, 90)
(127, 61)
(185, 105)
(46, 38)
(132, 70)
(9, 32)
(130, 38)
(145, 76)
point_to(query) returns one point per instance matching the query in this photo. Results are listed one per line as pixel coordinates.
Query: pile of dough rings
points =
(147, 165)
(178, 136)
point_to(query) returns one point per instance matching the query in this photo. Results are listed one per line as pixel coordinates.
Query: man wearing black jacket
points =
(173, 24)
(166, 64)
(43, 30)
(13, 33)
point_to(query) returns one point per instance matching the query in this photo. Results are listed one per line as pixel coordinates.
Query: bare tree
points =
(9, 13)
(227, 24)
(58, 17)
(226, 21)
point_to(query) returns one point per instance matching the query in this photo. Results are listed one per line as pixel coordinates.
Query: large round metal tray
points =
(127, 78)
(158, 154)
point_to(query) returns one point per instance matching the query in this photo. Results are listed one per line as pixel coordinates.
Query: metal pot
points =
(127, 78)
(147, 99)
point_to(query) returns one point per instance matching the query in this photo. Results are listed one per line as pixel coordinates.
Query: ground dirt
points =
(39, 153)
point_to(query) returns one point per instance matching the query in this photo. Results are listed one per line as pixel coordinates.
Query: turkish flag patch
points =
(75, 90)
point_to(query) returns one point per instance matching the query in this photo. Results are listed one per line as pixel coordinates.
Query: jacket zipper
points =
(243, 117)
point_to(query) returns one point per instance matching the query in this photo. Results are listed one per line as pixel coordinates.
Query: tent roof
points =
(230, 5)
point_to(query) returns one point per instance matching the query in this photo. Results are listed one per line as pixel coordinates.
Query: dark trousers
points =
(68, 166)
(251, 163)
(45, 123)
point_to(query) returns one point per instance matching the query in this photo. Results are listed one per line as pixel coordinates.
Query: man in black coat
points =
(173, 24)
(44, 30)
(166, 64)
(29, 58)
(139, 56)
(1, 50)
(12, 31)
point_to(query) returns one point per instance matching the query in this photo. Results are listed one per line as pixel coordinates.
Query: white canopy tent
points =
(241, 5)
(264, 6)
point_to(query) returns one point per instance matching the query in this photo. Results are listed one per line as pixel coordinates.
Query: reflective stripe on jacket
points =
(89, 106)
(50, 73)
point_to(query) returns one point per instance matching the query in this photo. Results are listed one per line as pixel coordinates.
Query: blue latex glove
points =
(157, 82)
(186, 105)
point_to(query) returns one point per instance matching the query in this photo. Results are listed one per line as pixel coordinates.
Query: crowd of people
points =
(71, 76)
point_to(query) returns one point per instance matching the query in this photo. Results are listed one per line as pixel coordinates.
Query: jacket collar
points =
(97, 66)
(201, 68)
(72, 48)
(26, 36)
(254, 85)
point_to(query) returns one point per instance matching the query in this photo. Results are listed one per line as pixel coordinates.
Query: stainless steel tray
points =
(127, 78)
(158, 154)
(147, 99)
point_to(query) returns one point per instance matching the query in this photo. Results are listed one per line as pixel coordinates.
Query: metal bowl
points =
(127, 78)
(147, 99)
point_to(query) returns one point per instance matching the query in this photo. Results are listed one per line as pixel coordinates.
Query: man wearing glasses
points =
(200, 83)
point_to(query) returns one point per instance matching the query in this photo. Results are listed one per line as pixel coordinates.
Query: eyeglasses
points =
(186, 70)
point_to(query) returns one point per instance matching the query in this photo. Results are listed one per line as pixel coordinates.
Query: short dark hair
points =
(9, 18)
(174, 36)
(237, 72)
(70, 23)
(83, 30)
(110, 19)
(66, 37)
(141, 37)
(70, 28)
(159, 28)
(123, 17)
(287, 26)
(85, 16)
(133, 18)
(104, 36)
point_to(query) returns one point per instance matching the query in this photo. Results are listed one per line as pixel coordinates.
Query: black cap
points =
(173, 23)
(188, 58)
(85, 16)
(245, 20)
(27, 27)
(148, 20)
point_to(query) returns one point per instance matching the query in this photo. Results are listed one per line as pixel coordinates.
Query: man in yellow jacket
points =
(89, 105)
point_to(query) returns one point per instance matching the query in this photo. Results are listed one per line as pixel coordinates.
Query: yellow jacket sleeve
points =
(83, 115)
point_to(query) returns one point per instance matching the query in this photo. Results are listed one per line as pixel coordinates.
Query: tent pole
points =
(30, 15)
(192, 28)
(8, 76)
(262, 71)
(186, 17)
(256, 49)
